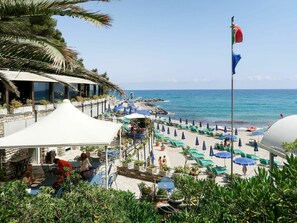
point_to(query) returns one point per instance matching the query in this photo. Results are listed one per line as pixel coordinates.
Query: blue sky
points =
(178, 44)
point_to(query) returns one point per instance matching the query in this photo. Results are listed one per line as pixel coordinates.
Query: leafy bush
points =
(43, 102)
(79, 203)
(15, 103)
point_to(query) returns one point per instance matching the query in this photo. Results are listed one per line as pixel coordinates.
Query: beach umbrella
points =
(223, 155)
(197, 141)
(243, 161)
(163, 128)
(207, 126)
(225, 129)
(158, 126)
(217, 128)
(193, 123)
(203, 146)
(125, 110)
(169, 119)
(236, 132)
(175, 133)
(239, 143)
(211, 154)
(186, 121)
(257, 133)
(229, 137)
(255, 146)
(180, 120)
(130, 111)
(183, 136)
(200, 124)
(168, 131)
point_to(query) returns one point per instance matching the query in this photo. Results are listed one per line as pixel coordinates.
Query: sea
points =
(260, 108)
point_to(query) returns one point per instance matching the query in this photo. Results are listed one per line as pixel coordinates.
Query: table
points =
(21, 164)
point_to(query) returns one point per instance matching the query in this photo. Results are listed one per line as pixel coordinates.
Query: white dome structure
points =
(284, 130)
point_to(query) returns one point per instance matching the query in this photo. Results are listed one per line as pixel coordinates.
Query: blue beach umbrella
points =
(255, 146)
(168, 131)
(239, 143)
(175, 133)
(257, 133)
(217, 128)
(200, 124)
(125, 110)
(223, 155)
(180, 120)
(193, 123)
(243, 161)
(158, 126)
(203, 146)
(197, 141)
(183, 136)
(236, 132)
(163, 128)
(207, 126)
(211, 154)
(225, 129)
(186, 121)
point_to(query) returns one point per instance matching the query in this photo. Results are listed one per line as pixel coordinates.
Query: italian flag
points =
(237, 36)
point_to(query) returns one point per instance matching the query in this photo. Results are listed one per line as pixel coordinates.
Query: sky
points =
(186, 44)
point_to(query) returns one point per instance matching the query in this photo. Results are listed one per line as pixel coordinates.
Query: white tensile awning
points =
(27, 76)
(284, 130)
(66, 126)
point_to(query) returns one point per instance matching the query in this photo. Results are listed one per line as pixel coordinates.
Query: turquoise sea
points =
(260, 108)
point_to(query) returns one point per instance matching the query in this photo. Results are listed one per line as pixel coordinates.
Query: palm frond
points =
(9, 85)
(51, 7)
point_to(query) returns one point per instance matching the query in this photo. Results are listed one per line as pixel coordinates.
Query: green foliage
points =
(44, 102)
(138, 162)
(266, 197)
(290, 146)
(15, 103)
(79, 203)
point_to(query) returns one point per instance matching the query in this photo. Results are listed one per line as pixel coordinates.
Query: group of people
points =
(64, 170)
(162, 161)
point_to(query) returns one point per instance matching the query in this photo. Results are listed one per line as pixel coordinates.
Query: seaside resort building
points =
(34, 90)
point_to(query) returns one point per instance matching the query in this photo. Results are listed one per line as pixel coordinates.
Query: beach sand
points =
(176, 158)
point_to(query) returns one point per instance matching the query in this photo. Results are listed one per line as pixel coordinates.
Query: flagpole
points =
(232, 99)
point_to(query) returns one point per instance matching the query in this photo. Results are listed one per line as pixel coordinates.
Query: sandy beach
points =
(176, 158)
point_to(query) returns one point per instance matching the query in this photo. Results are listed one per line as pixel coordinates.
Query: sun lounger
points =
(219, 170)
(197, 155)
(181, 126)
(251, 156)
(266, 162)
(176, 143)
(237, 151)
(204, 163)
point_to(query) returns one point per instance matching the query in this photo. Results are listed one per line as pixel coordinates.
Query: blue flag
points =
(235, 59)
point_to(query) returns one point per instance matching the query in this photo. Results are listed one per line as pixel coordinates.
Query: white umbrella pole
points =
(106, 168)
(120, 144)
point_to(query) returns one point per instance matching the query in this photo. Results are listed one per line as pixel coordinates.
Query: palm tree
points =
(22, 49)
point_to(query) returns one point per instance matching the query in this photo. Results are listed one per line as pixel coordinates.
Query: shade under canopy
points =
(66, 126)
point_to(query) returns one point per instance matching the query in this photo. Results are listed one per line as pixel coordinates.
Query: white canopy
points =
(284, 130)
(66, 126)
(135, 116)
